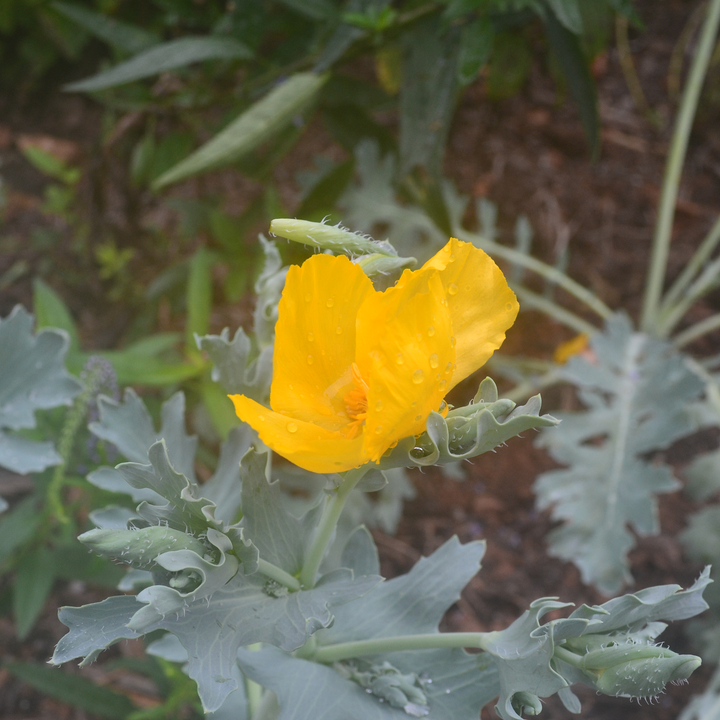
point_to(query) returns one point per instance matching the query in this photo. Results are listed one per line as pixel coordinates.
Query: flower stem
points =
(427, 641)
(326, 527)
(554, 310)
(673, 168)
(278, 575)
(550, 273)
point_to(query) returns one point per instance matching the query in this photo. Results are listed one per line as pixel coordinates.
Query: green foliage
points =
(636, 393)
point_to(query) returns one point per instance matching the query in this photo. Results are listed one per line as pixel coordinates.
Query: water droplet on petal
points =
(330, 302)
(261, 417)
(448, 367)
(442, 385)
(311, 337)
(418, 418)
(508, 306)
(431, 331)
(434, 360)
(378, 405)
(378, 429)
(418, 376)
(292, 427)
(310, 359)
(453, 341)
(399, 359)
(452, 289)
(452, 257)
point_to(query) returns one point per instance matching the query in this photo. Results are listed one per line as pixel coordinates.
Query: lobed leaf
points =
(636, 392)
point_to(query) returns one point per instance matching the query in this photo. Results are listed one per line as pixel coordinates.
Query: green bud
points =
(328, 237)
(646, 676)
(380, 264)
(525, 703)
(139, 548)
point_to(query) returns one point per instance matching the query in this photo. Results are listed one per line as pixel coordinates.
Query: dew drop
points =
(508, 306)
(448, 367)
(418, 376)
(452, 289)
(261, 418)
(378, 429)
(311, 337)
(310, 359)
(434, 360)
(399, 359)
(378, 405)
(452, 257)
(414, 403)
(330, 302)
(453, 341)
(338, 330)
(292, 427)
(418, 418)
(442, 385)
(431, 331)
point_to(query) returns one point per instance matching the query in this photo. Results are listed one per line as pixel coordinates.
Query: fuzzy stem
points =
(328, 522)
(673, 169)
(375, 646)
(550, 273)
(278, 575)
(253, 691)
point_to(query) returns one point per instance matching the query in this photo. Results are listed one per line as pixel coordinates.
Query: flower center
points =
(356, 403)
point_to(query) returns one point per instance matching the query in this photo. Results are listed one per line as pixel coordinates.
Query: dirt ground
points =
(526, 154)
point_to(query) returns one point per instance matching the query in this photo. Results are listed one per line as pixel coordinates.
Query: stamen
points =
(356, 403)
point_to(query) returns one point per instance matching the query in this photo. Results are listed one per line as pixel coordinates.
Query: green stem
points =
(706, 282)
(269, 707)
(567, 656)
(328, 522)
(253, 691)
(278, 574)
(554, 310)
(550, 273)
(695, 264)
(345, 651)
(528, 388)
(673, 169)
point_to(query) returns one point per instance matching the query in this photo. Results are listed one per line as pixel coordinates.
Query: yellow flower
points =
(565, 350)
(355, 370)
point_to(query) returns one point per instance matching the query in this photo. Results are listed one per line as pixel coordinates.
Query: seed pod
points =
(139, 548)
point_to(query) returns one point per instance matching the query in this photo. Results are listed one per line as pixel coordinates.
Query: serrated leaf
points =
(703, 476)
(427, 95)
(163, 57)
(232, 367)
(52, 312)
(199, 295)
(407, 605)
(268, 288)
(636, 393)
(256, 125)
(457, 691)
(129, 427)
(468, 432)
(74, 690)
(120, 35)
(32, 377)
(17, 526)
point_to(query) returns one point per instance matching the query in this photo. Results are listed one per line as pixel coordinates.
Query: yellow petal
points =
(315, 339)
(307, 445)
(482, 306)
(405, 355)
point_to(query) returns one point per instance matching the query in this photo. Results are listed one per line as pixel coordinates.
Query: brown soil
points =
(528, 155)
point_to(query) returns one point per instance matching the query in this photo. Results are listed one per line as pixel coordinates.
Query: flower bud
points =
(328, 237)
(139, 548)
(638, 671)
(525, 703)
(381, 264)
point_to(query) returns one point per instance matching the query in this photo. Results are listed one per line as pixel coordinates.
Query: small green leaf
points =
(312, 9)
(568, 13)
(74, 690)
(476, 43)
(199, 296)
(256, 125)
(120, 35)
(17, 526)
(161, 58)
(52, 312)
(574, 65)
(34, 579)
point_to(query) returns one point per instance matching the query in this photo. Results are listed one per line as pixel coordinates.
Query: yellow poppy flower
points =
(355, 370)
